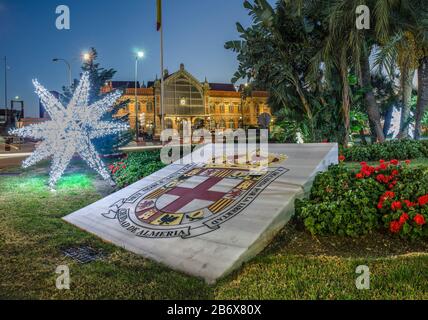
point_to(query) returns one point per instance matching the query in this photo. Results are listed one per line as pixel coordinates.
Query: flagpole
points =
(5, 82)
(162, 78)
(160, 29)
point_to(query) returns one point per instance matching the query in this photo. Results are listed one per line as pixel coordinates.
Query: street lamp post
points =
(139, 55)
(68, 67)
(5, 82)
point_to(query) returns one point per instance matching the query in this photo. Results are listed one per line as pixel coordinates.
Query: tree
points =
(401, 33)
(275, 54)
(350, 49)
(422, 101)
(98, 78)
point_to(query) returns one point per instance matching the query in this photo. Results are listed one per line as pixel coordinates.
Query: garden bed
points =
(297, 265)
(391, 196)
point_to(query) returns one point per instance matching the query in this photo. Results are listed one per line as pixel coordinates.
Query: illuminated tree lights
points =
(71, 130)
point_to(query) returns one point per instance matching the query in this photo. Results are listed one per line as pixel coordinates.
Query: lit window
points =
(231, 124)
(149, 107)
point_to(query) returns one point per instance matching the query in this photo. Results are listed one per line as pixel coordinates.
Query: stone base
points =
(233, 216)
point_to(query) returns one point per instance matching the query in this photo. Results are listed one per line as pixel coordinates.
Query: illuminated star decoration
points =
(71, 130)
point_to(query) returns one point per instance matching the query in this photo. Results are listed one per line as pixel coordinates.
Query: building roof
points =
(215, 88)
(124, 84)
(222, 87)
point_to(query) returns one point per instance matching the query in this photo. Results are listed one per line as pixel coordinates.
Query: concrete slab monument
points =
(207, 219)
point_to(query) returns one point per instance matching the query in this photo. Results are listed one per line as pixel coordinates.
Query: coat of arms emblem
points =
(192, 201)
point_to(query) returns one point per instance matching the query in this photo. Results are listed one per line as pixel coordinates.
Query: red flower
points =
(419, 219)
(423, 200)
(383, 166)
(391, 186)
(342, 158)
(404, 217)
(363, 164)
(381, 161)
(394, 162)
(367, 171)
(359, 175)
(408, 203)
(380, 178)
(394, 172)
(394, 226)
(389, 195)
(380, 205)
(396, 205)
(408, 161)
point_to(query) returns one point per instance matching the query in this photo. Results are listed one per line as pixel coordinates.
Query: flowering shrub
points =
(135, 166)
(390, 195)
(340, 204)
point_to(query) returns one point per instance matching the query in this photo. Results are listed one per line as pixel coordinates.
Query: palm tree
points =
(422, 101)
(355, 47)
(401, 33)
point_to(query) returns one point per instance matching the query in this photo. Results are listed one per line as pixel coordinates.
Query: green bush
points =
(135, 166)
(394, 149)
(339, 204)
(391, 196)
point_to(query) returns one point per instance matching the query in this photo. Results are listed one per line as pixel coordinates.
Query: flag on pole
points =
(159, 27)
(159, 14)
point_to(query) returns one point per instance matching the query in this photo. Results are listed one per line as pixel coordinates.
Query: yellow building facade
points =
(203, 104)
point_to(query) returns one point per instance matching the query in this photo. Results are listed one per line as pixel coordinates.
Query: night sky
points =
(195, 33)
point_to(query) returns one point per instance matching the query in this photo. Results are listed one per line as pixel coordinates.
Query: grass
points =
(296, 265)
(415, 163)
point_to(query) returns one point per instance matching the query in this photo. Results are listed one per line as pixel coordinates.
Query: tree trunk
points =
(305, 104)
(346, 104)
(369, 98)
(388, 119)
(406, 100)
(422, 95)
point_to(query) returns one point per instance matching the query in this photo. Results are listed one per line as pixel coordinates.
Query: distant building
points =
(9, 119)
(203, 104)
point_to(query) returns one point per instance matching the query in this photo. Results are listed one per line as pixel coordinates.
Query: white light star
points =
(71, 130)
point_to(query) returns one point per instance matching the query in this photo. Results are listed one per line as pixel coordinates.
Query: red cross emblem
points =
(187, 195)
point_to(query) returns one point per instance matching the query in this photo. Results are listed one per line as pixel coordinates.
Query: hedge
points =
(394, 149)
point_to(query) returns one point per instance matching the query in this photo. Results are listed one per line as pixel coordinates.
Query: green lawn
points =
(295, 266)
(414, 163)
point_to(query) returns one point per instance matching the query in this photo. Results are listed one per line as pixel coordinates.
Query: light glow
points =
(86, 56)
(71, 130)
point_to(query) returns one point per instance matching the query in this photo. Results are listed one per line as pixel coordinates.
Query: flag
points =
(159, 14)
